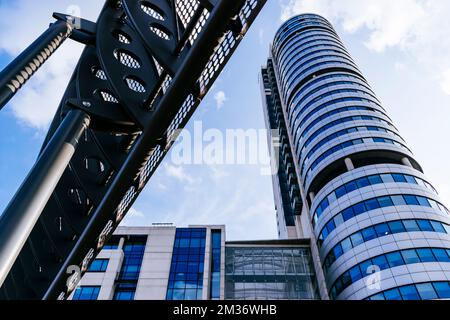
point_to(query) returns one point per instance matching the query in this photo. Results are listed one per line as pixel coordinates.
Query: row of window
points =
(343, 133)
(420, 291)
(86, 293)
(335, 79)
(187, 266)
(377, 203)
(308, 38)
(98, 265)
(382, 230)
(281, 37)
(338, 122)
(298, 99)
(299, 42)
(342, 63)
(315, 41)
(314, 81)
(296, 64)
(296, 24)
(297, 113)
(327, 94)
(365, 182)
(299, 70)
(386, 261)
(343, 146)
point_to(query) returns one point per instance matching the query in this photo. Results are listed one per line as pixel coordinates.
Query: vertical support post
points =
(19, 71)
(24, 210)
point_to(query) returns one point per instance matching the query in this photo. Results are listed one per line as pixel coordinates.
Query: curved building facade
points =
(379, 227)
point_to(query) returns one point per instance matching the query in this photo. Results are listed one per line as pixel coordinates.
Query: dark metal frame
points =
(134, 87)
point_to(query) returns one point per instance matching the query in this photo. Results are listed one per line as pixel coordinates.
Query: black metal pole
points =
(19, 71)
(166, 110)
(25, 208)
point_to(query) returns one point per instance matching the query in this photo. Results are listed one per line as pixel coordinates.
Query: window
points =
(381, 262)
(86, 293)
(393, 294)
(385, 202)
(216, 245)
(410, 256)
(125, 291)
(411, 225)
(411, 200)
(396, 227)
(442, 289)
(186, 271)
(399, 178)
(409, 293)
(357, 239)
(441, 255)
(438, 227)
(395, 259)
(369, 234)
(426, 291)
(98, 265)
(382, 230)
(425, 225)
(426, 255)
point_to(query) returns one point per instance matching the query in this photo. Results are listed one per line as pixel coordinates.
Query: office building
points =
(346, 178)
(163, 262)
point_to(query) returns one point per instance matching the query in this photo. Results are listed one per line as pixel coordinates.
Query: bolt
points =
(87, 104)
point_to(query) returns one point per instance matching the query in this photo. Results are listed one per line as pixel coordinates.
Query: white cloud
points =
(178, 173)
(134, 213)
(21, 22)
(420, 28)
(220, 98)
(445, 82)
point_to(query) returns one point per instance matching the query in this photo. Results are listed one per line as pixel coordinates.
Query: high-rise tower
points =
(378, 228)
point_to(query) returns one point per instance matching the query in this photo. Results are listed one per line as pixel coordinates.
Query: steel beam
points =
(19, 71)
(24, 210)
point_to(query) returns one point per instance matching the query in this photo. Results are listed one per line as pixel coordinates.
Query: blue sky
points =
(401, 46)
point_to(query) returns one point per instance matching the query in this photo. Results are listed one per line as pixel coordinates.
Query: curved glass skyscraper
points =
(378, 228)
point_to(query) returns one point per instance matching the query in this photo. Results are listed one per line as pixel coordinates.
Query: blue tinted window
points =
(426, 291)
(396, 227)
(347, 214)
(411, 200)
(426, 255)
(442, 289)
(355, 274)
(399, 178)
(382, 230)
(425, 225)
(393, 294)
(369, 234)
(363, 182)
(372, 204)
(385, 202)
(346, 245)
(98, 265)
(441, 255)
(86, 293)
(411, 225)
(409, 293)
(394, 259)
(359, 208)
(410, 256)
(375, 180)
(438, 227)
(381, 262)
(398, 200)
(357, 239)
(340, 192)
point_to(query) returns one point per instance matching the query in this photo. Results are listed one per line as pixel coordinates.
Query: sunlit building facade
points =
(378, 229)
(167, 263)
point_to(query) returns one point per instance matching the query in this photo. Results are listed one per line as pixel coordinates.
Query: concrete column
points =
(407, 162)
(349, 164)
(121, 243)
(312, 195)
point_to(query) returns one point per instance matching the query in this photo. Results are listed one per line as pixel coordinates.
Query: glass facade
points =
(363, 191)
(187, 267)
(86, 293)
(99, 265)
(269, 273)
(216, 246)
(133, 248)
